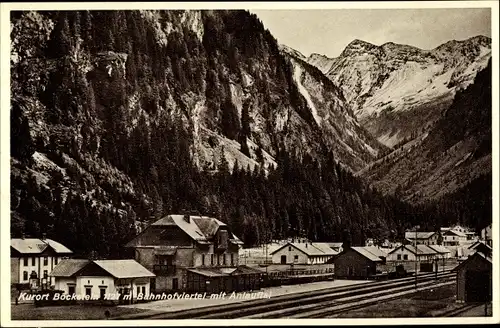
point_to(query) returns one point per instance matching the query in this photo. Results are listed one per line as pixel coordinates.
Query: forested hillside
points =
(120, 117)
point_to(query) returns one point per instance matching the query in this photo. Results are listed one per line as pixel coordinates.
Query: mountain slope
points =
(332, 114)
(122, 116)
(398, 91)
(456, 151)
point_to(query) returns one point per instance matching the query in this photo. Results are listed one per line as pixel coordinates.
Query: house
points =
(486, 235)
(358, 262)
(303, 253)
(443, 252)
(454, 238)
(474, 279)
(424, 238)
(456, 227)
(411, 253)
(479, 246)
(32, 259)
(95, 279)
(175, 243)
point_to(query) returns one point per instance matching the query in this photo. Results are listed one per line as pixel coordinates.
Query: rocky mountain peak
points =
(385, 83)
(358, 46)
(292, 52)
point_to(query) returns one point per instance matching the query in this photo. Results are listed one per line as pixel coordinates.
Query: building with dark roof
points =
(358, 262)
(474, 275)
(95, 279)
(31, 260)
(175, 243)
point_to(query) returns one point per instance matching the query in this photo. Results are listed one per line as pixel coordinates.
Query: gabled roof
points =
(37, 246)
(364, 251)
(67, 268)
(116, 268)
(419, 235)
(419, 250)
(440, 249)
(376, 251)
(199, 228)
(480, 255)
(458, 233)
(310, 249)
(124, 268)
(479, 243)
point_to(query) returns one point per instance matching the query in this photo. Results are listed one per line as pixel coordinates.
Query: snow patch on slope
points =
(297, 75)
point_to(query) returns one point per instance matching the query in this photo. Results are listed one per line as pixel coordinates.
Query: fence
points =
(297, 276)
(442, 265)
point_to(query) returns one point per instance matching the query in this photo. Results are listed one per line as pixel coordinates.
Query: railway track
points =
(313, 304)
(462, 309)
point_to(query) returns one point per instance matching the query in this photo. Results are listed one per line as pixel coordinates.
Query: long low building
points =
(303, 253)
(419, 252)
(95, 279)
(216, 280)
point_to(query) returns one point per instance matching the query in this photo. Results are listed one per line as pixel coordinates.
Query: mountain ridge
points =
(392, 85)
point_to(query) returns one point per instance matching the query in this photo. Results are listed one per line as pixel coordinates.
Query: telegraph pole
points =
(416, 255)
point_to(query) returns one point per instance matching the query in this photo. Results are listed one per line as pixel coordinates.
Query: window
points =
(405, 257)
(55, 260)
(175, 283)
(33, 261)
(203, 259)
(25, 275)
(143, 290)
(289, 248)
(223, 259)
(71, 289)
(232, 259)
(296, 258)
(399, 256)
(138, 290)
(45, 260)
(45, 273)
(212, 259)
(26, 261)
(102, 293)
(88, 291)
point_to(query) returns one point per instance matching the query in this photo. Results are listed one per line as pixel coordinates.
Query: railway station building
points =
(192, 253)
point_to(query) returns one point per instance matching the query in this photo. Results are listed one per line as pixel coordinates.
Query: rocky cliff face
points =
(333, 114)
(398, 91)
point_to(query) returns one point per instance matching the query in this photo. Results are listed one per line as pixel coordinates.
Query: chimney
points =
(44, 235)
(23, 236)
(187, 218)
(306, 245)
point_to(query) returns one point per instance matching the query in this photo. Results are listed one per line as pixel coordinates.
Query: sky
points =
(329, 31)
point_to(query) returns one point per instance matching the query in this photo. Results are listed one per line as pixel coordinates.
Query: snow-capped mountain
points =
(452, 154)
(398, 91)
